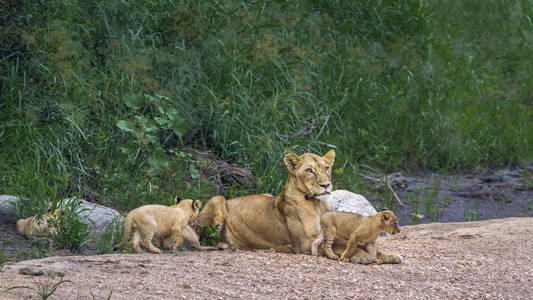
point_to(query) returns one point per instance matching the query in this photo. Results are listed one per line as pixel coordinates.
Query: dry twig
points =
(384, 180)
(308, 132)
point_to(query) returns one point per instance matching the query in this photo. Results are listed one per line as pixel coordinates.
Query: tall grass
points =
(393, 84)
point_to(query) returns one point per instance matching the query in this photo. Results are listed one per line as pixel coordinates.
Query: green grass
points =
(44, 289)
(106, 99)
(3, 255)
(110, 237)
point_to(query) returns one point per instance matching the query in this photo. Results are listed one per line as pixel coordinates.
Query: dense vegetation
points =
(111, 99)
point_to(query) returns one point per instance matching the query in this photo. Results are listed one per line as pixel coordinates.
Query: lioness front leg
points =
(304, 229)
(190, 236)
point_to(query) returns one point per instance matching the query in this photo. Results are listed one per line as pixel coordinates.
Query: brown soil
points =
(485, 259)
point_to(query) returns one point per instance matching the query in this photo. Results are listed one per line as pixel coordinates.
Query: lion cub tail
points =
(126, 233)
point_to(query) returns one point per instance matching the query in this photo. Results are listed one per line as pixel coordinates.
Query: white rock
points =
(346, 201)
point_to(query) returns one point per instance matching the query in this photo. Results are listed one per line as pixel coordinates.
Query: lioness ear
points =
(329, 157)
(385, 217)
(292, 161)
(196, 204)
(177, 200)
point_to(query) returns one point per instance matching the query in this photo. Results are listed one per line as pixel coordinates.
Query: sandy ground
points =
(475, 260)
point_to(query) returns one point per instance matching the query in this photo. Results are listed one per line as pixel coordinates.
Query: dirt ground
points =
(473, 260)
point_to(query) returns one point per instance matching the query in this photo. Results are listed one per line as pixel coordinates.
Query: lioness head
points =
(389, 222)
(312, 173)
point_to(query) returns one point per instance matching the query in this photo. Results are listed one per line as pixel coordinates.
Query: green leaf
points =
(172, 113)
(180, 127)
(151, 98)
(152, 139)
(162, 122)
(194, 172)
(158, 159)
(132, 100)
(150, 127)
(125, 150)
(126, 125)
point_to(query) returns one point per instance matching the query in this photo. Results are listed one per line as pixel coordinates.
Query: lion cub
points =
(161, 222)
(36, 227)
(360, 232)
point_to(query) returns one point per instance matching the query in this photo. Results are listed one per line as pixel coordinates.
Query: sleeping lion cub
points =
(360, 232)
(39, 227)
(163, 223)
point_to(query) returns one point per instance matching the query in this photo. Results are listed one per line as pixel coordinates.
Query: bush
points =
(71, 232)
(109, 99)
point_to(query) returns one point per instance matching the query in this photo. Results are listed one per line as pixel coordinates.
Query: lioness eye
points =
(309, 170)
(326, 168)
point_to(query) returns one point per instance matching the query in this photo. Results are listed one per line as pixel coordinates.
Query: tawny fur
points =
(164, 223)
(288, 222)
(38, 227)
(360, 233)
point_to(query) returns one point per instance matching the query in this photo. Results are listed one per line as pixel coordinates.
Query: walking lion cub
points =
(360, 232)
(164, 223)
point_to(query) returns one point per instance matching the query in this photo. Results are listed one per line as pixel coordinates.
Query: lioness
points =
(162, 222)
(39, 227)
(288, 222)
(361, 234)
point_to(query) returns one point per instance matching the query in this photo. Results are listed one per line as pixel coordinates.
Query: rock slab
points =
(346, 201)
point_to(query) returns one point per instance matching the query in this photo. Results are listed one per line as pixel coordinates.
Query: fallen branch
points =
(308, 132)
(384, 180)
(392, 191)
(326, 144)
